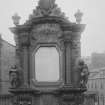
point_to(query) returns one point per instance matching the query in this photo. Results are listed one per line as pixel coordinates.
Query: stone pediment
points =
(46, 19)
(45, 9)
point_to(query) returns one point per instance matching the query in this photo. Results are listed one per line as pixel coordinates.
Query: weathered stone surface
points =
(48, 27)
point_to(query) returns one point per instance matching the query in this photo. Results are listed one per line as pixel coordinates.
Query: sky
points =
(93, 37)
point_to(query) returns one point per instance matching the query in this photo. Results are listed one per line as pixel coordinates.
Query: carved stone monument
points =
(48, 53)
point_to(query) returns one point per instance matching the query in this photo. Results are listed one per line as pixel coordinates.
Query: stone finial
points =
(16, 19)
(78, 15)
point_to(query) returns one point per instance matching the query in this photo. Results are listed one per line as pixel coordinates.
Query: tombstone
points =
(48, 47)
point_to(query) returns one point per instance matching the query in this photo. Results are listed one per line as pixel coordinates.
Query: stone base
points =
(61, 96)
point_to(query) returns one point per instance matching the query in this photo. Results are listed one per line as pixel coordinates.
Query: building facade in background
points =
(7, 58)
(96, 85)
(96, 82)
(97, 61)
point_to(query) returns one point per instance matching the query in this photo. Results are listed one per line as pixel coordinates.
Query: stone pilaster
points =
(67, 42)
(25, 65)
(68, 62)
(76, 55)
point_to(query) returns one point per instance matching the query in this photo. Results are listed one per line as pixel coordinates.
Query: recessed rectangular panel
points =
(47, 64)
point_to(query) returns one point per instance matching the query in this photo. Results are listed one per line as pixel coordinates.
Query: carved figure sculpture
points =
(84, 73)
(14, 77)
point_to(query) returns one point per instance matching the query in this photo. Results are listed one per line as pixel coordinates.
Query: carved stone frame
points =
(58, 83)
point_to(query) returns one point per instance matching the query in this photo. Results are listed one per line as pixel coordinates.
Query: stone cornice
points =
(64, 24)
